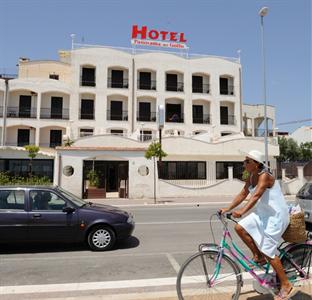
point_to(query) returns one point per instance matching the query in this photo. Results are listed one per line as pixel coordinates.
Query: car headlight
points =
(130, 219)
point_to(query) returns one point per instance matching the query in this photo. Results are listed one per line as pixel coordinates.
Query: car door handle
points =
(36, 216)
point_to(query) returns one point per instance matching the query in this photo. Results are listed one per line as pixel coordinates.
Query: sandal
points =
(283, 295)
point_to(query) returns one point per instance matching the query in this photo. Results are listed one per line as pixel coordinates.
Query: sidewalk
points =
(208, 200)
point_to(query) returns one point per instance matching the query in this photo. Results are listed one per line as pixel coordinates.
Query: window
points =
(45, 200)
(222, 169)
(182, 170)
(117, 132)
(54, 76)
(12, 199)
(87, 77)
(86, 132)
(87, 109)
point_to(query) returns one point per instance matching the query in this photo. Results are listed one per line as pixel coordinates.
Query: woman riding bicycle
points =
(262, 229)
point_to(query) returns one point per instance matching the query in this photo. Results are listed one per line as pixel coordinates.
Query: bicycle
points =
(215, 270)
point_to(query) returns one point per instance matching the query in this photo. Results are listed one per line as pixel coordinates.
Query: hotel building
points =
(104, 102)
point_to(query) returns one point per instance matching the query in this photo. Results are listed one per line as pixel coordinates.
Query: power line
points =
(293, 122)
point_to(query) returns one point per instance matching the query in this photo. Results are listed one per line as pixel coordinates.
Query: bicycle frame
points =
(238, 256)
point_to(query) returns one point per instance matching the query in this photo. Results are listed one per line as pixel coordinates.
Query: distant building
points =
(106, 101)
(302, 134)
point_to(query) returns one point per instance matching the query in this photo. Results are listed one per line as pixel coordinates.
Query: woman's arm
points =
(238, 199)
(262, 185)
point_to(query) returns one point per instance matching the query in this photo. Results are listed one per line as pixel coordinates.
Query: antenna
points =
(73, 35)
(239, 55)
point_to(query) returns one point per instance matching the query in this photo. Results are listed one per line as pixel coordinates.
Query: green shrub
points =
(7, 179)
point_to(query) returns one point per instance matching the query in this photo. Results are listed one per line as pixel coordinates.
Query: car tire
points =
(101, 238)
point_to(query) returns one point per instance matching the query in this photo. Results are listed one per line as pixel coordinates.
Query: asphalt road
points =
(163, 238)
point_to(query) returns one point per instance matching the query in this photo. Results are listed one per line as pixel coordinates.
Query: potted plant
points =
(94, 189)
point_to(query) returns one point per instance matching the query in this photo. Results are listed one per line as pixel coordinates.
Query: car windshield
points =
(72, 197)
(305, 191)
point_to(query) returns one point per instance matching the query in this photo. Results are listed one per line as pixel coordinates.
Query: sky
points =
(38, 29)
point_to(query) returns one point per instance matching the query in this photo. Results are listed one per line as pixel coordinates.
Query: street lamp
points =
(262, 13)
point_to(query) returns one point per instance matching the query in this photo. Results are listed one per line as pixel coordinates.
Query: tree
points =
(68, 142)
(154, 150)
(290, 151)
(32, 153)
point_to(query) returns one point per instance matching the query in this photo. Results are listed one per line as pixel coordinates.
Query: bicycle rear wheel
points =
(301, 255)
(200, 277)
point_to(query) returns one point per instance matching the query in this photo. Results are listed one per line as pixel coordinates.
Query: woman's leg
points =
(248, 240)
(286, 286)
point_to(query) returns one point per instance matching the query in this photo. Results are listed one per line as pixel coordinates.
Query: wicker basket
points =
(296, 230)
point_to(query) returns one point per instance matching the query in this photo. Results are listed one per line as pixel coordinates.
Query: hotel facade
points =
(103, 103)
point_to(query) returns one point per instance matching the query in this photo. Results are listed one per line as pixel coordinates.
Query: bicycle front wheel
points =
(202, 277)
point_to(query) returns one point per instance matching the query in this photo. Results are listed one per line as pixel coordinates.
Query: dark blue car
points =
(51, 214)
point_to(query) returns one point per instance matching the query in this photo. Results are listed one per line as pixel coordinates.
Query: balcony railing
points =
(203, 89)
(86, 115)
(178, 87)
(145, 137)
(16, 112)
(48, 113)
(147, 85)
(175, 118)
(151, 117)
(117, 116)
(87, 82)
(227, 91)
(261, 132)
(119, 84)
(229, 120)
(203, 119)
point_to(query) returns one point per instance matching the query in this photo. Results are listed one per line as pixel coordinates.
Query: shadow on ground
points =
(19, 248)
(298, 296)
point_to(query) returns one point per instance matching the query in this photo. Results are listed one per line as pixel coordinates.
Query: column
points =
(230, 173)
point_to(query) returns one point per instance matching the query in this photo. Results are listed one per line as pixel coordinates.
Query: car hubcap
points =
(101, 238)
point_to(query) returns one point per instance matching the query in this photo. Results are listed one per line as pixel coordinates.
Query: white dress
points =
(269, 220)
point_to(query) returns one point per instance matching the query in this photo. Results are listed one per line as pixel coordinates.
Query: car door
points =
(13, 216)
(47, 221)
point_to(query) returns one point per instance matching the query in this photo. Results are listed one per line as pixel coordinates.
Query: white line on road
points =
(175, 222)
(173, 262)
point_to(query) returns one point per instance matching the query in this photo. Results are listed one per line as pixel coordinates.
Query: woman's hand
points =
(237, 213)
(222, 211)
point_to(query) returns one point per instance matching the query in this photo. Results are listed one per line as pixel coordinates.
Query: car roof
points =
(26, 187)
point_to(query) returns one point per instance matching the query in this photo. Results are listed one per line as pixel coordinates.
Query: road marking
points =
(173, 262)
(176, 222)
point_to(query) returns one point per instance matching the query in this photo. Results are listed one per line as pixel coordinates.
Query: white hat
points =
(255, 155)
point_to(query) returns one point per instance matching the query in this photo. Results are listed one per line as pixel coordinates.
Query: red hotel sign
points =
(151, 37)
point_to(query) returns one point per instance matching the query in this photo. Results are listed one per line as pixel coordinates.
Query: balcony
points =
(146, 117)
(203, 89)
(87, 82)
(143, 85)
(16, 112)
(84, 115)
(228, 120)
(203, 119)
(178, 87)
(117, 116)
(117, 84)
(227, 91)
(175, 118)
(48, 113)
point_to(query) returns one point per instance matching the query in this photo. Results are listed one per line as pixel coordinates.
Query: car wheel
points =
(101, 238)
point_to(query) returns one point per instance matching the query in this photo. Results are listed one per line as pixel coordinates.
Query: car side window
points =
(46, 200)
(12, 200)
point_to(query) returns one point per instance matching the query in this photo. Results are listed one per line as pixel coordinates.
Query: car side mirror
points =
(68, 210)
